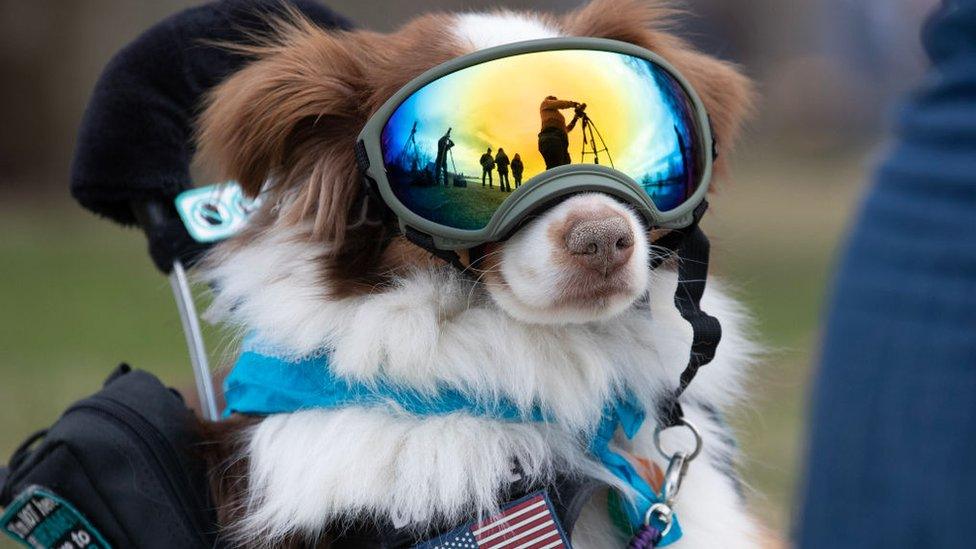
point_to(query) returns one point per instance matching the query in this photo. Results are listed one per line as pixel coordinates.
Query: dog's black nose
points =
(602, 244)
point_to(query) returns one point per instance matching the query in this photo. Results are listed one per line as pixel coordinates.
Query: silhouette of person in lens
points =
(444, 145)
(517, 169)
(554, 136)
(487, 165)
(501, 160)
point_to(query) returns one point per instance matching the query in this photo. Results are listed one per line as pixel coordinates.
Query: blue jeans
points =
(892, 458)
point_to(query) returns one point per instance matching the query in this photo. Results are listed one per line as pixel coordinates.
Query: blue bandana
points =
(262, 383)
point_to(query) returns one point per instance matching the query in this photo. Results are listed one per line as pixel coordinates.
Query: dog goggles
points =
(467, 151)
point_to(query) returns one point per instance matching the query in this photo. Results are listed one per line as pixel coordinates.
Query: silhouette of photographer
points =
(444, 145)
(554, 136)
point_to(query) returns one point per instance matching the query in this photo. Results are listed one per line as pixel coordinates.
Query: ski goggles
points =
(466, 152)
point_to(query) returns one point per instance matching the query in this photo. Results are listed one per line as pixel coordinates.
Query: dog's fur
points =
(308, 274)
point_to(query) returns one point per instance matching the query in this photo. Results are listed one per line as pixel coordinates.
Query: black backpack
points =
(120, 468)
(125, 467)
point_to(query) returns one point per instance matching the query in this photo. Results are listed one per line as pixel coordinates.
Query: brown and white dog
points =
(544, 328)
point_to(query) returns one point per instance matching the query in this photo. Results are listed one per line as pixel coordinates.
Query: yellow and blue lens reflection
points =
(454, 149)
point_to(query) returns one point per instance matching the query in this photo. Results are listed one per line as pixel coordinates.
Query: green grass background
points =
(78, 295)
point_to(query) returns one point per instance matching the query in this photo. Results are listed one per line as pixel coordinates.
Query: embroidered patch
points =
(527, 522)
(40, 518)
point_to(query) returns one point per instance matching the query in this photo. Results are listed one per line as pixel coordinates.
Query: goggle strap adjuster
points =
(426, 242)
(362, 159)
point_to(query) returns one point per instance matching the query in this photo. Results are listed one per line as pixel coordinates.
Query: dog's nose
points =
(602, 244)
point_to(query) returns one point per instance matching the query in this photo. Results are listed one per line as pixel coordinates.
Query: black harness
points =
(568, 494)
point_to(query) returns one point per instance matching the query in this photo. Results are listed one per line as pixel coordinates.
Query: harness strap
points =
(568, 494)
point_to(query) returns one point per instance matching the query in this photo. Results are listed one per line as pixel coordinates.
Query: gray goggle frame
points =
(548, 186)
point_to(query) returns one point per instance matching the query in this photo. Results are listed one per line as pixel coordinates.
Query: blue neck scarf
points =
(263, 383)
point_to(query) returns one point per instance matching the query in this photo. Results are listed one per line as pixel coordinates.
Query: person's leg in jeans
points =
(554, 147)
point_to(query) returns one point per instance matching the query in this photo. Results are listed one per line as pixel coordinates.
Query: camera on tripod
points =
(593, 143)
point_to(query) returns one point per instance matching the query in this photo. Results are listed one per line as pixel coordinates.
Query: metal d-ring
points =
(682, 422)
(664, 512)
(677, 463)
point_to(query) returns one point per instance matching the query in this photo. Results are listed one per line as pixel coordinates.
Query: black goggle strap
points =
(691, 246)
(475, 254)
(418, 238)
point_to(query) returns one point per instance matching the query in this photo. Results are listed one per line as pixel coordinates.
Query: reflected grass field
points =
(80, 295)
(469, 202)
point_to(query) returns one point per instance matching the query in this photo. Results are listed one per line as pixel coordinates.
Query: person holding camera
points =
(444, 145)
(554, 136)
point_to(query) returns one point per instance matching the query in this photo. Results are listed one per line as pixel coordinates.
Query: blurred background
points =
(78, 294)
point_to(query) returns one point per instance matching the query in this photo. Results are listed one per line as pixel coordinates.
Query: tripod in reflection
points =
(593, 143)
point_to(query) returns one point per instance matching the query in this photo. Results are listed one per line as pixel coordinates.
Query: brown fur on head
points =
(291, 117)
(727, 94)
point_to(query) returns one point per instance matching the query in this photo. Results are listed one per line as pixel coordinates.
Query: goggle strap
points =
(671, 243)
(693, 255)
(426, 242)
(370, 191)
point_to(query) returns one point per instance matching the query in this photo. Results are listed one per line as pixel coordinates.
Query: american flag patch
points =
(528, 523)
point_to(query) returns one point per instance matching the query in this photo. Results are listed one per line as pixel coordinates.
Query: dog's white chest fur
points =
(313, 468)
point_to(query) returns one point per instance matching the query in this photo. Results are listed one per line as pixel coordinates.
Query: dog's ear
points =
(728, 95)
(287, 121)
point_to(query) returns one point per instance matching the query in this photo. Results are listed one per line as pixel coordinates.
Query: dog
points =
(541, 327)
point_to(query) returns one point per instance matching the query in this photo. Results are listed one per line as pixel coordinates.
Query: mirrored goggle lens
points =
(455, 148)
